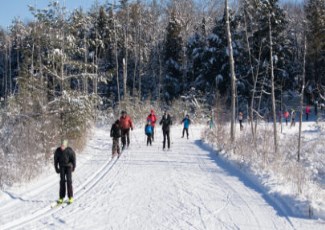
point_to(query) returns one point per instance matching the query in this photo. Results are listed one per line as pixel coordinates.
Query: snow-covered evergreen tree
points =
(315, 57)
(173, 59)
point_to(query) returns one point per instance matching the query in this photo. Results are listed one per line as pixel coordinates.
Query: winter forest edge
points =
(65, 71)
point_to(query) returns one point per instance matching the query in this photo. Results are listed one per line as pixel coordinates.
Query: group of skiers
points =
(121, 128)
(65, 157)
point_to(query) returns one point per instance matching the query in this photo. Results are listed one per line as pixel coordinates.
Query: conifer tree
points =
(173, 58)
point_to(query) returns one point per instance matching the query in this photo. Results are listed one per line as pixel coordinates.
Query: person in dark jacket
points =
(186, 121)
(148, 130)
(240, 119)
(125, 125)
(166, 122)
(116, 134)
(65, 164)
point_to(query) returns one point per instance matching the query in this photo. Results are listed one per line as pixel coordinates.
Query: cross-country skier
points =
(65, 164)
(240, 119)
(116, 134)
(148, 129)
(286, 116)
(186, 121)
(307, 112)
(125, 124)
(166, 122)
(152, 118)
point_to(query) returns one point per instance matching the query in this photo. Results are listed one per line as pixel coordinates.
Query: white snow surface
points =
(187, 187)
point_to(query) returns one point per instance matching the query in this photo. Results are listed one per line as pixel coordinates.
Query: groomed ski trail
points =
(148, 188)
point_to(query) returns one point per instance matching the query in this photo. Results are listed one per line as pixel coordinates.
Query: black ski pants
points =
(166, 137)
(153, 133)
(125, 137)
(185, 130)
(66, 179)
(149, 139)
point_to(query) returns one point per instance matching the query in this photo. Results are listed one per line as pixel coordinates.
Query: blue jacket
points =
(148, 129)
(186, 122)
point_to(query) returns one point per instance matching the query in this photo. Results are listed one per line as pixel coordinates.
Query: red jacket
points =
(286, 114)
(126, 122)
(152, 118)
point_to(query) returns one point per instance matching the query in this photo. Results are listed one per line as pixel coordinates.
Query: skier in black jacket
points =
(65, 164)
(116, 134)
(166, 122)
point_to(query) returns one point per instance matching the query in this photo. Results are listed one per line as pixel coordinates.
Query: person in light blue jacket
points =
(148, 131)
(186, 121)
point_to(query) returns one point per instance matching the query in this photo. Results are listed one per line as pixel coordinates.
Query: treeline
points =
(163, 50)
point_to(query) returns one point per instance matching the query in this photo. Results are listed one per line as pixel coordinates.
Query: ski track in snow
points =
(148, 188)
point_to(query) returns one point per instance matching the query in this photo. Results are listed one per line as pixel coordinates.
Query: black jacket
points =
(65, 158)
(115, 131)
(166, 122)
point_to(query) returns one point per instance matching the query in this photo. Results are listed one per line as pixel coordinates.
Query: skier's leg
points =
(128, 136)
(123, 138)
(187, 132)
(183, 132)
(153, 133)
(69, 181)
(114, 147)
(164, 142)
(62, 183)
(168, 139)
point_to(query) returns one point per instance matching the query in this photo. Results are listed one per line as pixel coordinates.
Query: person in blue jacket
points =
(148, 131)
(186, 121)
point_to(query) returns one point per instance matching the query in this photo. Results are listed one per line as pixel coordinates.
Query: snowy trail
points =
(148, 188)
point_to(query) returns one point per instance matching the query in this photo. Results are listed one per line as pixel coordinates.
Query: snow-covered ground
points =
(188, 187)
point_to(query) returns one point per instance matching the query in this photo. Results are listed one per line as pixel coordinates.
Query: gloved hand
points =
(57, 170)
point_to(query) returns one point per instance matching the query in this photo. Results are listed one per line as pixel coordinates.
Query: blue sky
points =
(19, 8)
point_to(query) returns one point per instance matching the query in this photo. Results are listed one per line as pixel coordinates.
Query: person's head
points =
(64, 144)
(187, 116)
(148, 122)
(117, 122)
(152, 112)
(123, 113)
(165, 113)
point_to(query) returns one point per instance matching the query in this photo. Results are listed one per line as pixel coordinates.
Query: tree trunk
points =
(272, 88)
(233, 77)
(116, 63)
(125, 59)
(302, 98)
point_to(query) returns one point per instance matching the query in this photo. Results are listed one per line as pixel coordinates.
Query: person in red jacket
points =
(152, 118)
(307, 112)
(286, 116)
(125, 125)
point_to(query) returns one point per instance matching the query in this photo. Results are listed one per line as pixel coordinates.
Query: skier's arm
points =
(73, 159)
(131, 123)
(111, 135)
(56, 162)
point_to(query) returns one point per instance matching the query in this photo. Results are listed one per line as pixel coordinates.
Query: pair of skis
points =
(57, 205)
